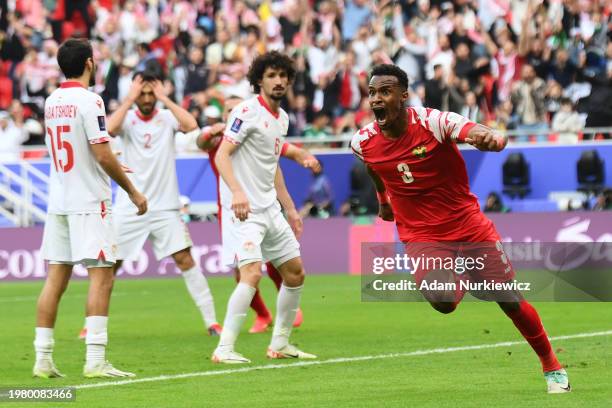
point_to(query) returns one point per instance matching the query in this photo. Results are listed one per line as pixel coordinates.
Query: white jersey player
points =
(253, 225)
(79, 226)
(147, 134)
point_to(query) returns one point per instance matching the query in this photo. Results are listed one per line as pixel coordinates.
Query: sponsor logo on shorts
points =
(249, 246)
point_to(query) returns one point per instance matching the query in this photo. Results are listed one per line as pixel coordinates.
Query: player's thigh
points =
(491, 264)
(242, 239)
(92, 239)
(56, 239)
(434, 272)
(169, 233)
(279, 245)
(131, 231)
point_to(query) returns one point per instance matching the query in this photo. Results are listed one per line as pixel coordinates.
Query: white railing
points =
(21, 200)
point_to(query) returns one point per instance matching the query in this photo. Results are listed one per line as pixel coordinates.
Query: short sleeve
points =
(240, 121)
(360, 136)
(93, 116)
(445, 126)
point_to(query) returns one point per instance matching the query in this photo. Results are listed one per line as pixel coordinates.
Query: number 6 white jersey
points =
(261, 135)
(74, 119)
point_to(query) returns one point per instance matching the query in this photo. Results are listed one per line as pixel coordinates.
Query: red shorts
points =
(466, 261)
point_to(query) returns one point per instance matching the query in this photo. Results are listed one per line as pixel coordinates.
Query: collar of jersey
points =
(71, 84)
(263, 103)
(146, 118)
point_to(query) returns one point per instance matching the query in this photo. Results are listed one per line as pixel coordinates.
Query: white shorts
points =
(80, 238)
(166, 229)
(263, 236)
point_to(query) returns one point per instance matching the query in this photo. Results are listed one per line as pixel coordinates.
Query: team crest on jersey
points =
(420, 151)
(102, 123)
(236, 125)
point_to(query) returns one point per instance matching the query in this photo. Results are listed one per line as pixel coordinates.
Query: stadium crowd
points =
(528, 65)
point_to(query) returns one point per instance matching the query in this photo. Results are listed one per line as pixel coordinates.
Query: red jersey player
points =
(209, 141)
(422, 184)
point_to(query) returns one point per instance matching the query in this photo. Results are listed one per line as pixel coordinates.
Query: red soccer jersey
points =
(425, 177)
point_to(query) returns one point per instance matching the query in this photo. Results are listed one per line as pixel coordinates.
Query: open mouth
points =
(381, 115)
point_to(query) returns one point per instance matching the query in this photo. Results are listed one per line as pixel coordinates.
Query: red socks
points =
(274, 275)
(528, 322)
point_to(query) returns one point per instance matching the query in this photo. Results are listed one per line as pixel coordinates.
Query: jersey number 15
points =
(57, 145)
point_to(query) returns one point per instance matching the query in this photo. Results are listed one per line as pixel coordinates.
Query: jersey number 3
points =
(57, 145)
(406, 174)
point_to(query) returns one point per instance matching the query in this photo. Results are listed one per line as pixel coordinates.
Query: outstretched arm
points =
(301, 156)
(485, 139)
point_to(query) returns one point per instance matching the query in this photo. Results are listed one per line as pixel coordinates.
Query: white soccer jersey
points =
(148, 149)
(261, 135)
(74, 119)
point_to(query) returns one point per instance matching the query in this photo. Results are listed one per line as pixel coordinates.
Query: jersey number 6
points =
(57, 145)
(406, 174)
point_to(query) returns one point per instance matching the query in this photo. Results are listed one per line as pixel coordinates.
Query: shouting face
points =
(387, 98)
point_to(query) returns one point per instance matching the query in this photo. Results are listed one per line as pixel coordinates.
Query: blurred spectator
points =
(12, 136)
(471, 110)
(320, 200)
(362, 199)
(299, 116)
(528, 100)
(567, 122)
(319, 129)
(494, 204)
(356, 12)
(436, 90)
(604, 201)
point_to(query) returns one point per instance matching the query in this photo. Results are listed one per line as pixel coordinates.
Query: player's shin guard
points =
(197, 285)
(43, 344)
(237, 308)
(274, 275)
(96, 340)
(286, 308)
(527, 321)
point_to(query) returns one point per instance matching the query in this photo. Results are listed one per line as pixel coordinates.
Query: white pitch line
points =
(330, 361)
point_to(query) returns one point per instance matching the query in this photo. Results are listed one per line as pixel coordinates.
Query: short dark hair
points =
(391, 70)
(72, 55)
(147, 75)
(272, 59)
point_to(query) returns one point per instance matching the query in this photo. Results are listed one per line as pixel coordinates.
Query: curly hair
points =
(391, 70)
(272, 59)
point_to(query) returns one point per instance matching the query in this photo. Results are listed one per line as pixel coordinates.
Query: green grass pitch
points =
(155, 330)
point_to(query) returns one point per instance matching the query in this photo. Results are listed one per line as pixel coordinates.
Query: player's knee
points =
(509, 307)
(183, 259)
(444, 307)
(251, 274)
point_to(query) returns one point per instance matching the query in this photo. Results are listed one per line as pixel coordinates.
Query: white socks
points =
(43, 343)
(286, 307)
(237, 308)
(96, 340)
(197, 285)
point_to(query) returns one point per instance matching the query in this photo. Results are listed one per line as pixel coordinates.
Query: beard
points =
(92, 77)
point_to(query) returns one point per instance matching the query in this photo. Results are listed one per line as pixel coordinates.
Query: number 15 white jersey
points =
(74, 119)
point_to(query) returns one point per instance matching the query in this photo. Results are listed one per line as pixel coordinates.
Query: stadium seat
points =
(515, 176)
(590, 172)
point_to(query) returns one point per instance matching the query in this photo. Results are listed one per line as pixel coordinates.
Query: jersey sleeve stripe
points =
(462, 134)
(100, 140)
(231, 140)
